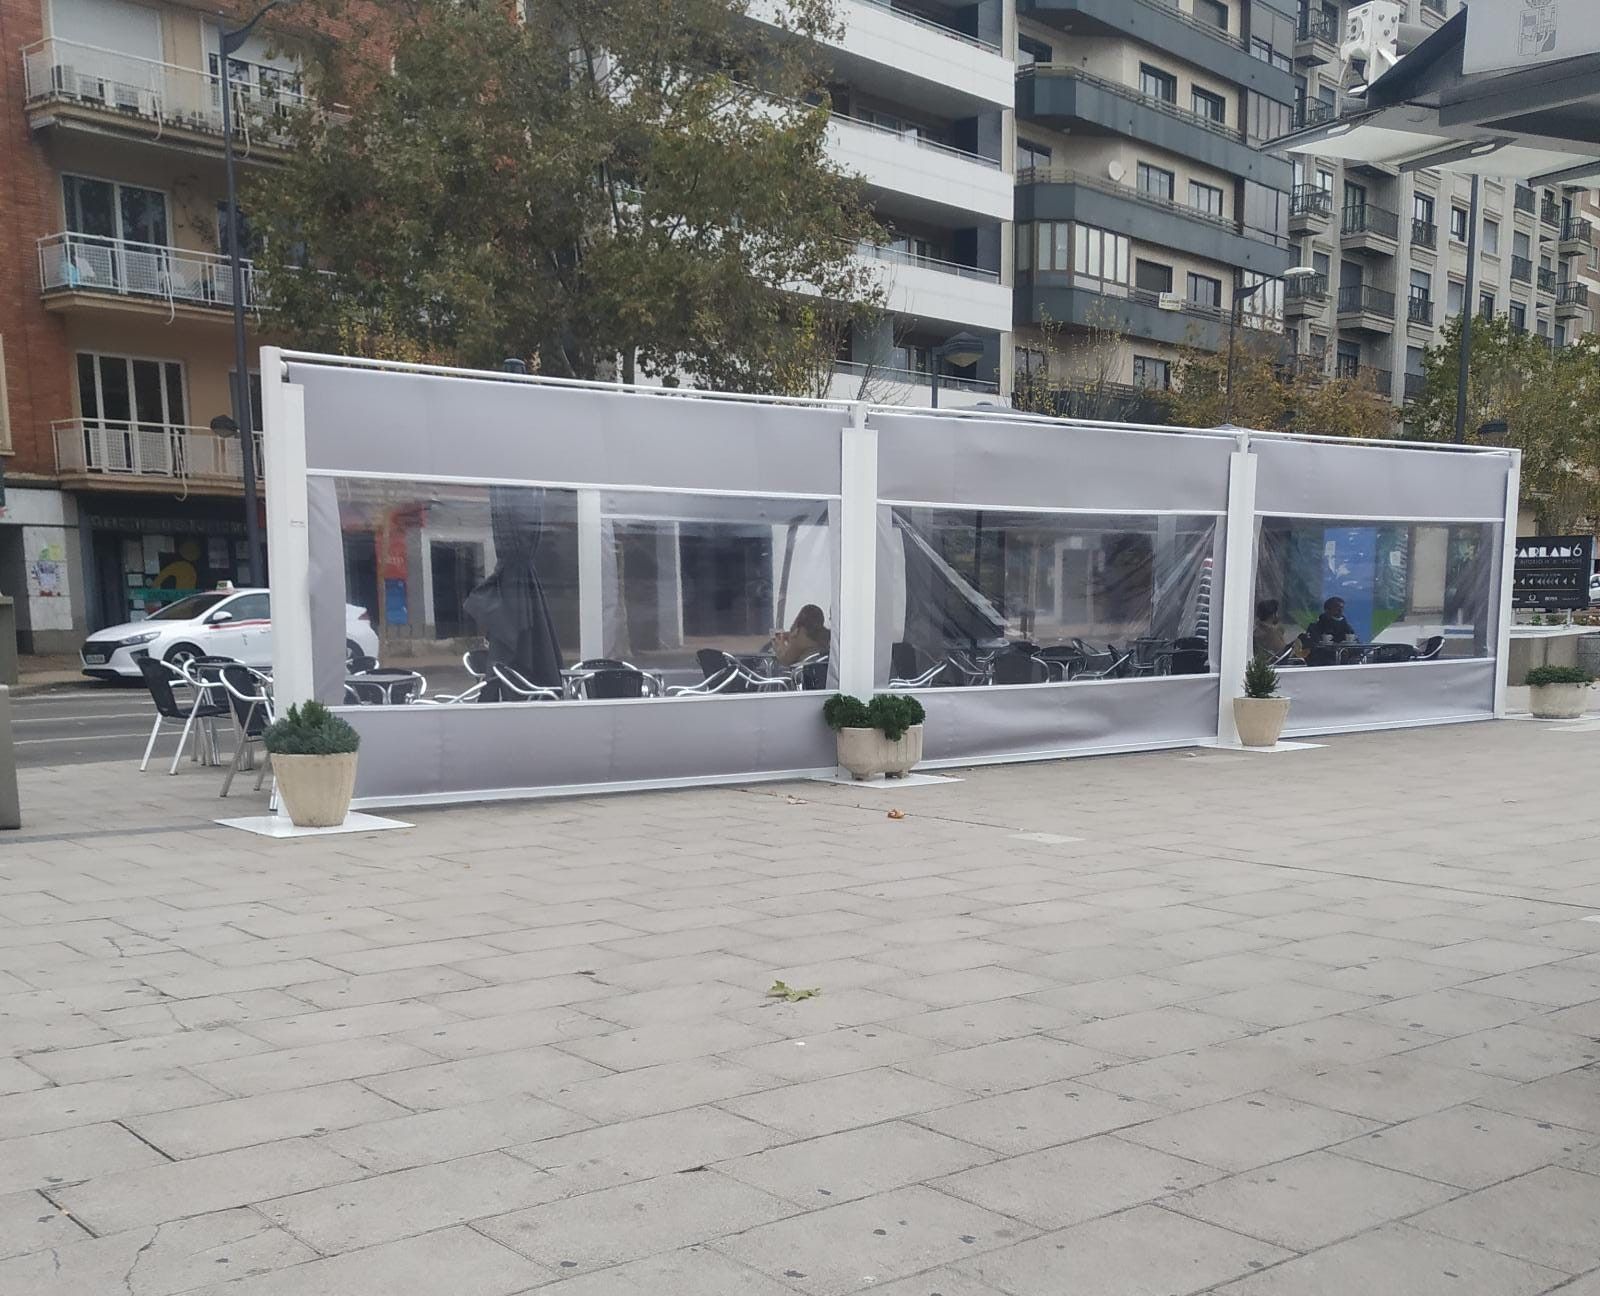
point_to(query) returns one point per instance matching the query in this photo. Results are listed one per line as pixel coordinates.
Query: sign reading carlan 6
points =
(1552, 572)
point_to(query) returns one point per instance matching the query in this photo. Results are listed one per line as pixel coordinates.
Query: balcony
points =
(1312, 112)
(857, 380)
(1547, 280)
(1305, 295)
(1571, 298)
(1424, 234)
(1433, 8)
(1550, 212)
(82, 269)
(1310, 207)
(1058, 193)
(1065, 96)
(1521, 269)
(137, 455)
(1576, 237)
(1524, 200)
(1382, 381)
(1416, 385)
(948, 184)
(1317, 38)
(1362, 306)
(80, 86)
(938, 291)
(1163, 25)
(1082, 303)
(1419, 310)
(1365, 228)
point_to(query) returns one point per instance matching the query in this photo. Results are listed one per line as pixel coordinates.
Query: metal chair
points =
(250, 697)
(608, 678)
(1388, 654)
(507, 679)
(1019, 665)
(1430, 648)
(475, 662)
(159, 678)
(811, 673)
(1104, 665)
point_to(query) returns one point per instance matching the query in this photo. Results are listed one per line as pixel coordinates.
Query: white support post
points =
(1508, 567)
(283, 409)
(591, 577)
(856, 631)
(1238, 587)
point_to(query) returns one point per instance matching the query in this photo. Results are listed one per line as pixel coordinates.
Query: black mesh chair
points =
(250, 696)
(607, 678)
(1018, 665)
(1431, 647)
(1388, 654)
(812, 674)
(511, 685)
(160, 679)
(1324, 655)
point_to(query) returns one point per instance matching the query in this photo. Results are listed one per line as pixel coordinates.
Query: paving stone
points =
(853, 1163)
(296, 1068)
(1028, 1119)
(966, 985)
(1519, 1051)
(473, 1037)
(814, 1107)
(1398, 1260)
(29, 1222)
(100, 1100)
(669, 1042)
(664, 1213)
(1496, 956)
(853, 1048)
(452, 1132)
(1281, 1004)
(859, 1244)
(984, 1023)
(1116, 996)
(1243, 1133)
(1065, 1185)
(265, 1118)
(1454, 1011)
(670, 1086)
(1146, 1251)
(386, 987)
(132, 1198)
(1469, 1146)
(942, 1281)
(330, 1025)
(1153, 1033)
(540, 1070)
(1394, 1088)
(1571, 1098)
(154, 1260)
(691, 1271)
(1546, 1217)
(69, 1156)
(1010, 1064)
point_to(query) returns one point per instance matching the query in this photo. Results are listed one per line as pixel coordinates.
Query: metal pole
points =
(243, 416)
(935, 376)
(1468, 309)
(1233, 331)
(10, 802)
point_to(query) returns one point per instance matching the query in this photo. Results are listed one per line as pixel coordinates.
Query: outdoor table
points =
(385, 681)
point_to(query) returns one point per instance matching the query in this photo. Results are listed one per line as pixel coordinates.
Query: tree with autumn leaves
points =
(600, 187)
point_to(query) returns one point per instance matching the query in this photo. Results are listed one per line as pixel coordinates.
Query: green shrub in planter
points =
(889, 713)
(1542, 675)
(311, 730)
(1260, 680)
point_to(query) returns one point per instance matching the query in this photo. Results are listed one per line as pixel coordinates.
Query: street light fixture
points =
(962, 350)
(1241, 294)
(243, 417)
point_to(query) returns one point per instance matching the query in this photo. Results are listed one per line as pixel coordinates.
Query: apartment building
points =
(116, 305)
(1145, 207)
(1390, 249)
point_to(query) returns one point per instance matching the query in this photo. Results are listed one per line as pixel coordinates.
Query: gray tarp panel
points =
(1329, 699)
(414, 753)
(1025, 465)
(373, 422)
(325, 556)
(1373, 480)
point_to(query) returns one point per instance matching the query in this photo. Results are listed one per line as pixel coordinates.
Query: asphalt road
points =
(94, 722)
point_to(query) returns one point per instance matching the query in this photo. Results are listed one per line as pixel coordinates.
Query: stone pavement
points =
(1303, 1025)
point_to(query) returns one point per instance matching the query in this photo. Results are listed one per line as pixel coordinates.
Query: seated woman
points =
(806, 638)
(1271, 635)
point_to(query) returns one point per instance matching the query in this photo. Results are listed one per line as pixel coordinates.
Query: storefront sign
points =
(1552, 572)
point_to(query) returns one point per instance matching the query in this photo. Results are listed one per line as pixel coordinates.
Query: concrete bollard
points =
(10, 803)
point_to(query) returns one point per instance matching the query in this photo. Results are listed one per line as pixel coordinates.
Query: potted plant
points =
(1559, 692)
(1260, 714)
(314, 760)
(883, 736)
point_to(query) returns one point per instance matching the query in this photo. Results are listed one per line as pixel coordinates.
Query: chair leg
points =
(183, 741)
(266, 764)
(238, 756)
(150, 746)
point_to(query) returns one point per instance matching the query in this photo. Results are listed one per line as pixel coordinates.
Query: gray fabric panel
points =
(1037, 719)
(422, 751)
(995, 464)
(1371, 480)
(1361, 697)
(325, 548)
(373, 421)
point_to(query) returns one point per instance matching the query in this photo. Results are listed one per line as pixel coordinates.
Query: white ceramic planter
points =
(1559, 701)
(1260, 721)
(866, 752)
(316, 790)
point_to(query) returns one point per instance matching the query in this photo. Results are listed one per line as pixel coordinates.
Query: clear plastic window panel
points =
(970, 598)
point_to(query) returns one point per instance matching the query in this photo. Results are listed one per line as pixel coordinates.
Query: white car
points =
(224, 622)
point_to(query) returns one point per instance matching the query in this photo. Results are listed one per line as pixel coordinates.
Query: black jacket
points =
(1338, 629)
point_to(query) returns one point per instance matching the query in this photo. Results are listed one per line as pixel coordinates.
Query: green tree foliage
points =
(1547, 397)
(592, 179)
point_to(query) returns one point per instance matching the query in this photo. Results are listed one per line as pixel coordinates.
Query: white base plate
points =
(886, 784)
(279, 825)
(1283, 746)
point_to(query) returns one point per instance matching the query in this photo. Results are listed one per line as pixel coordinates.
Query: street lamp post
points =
(1241, 294)
(1464, 359)
(243, 416)
(962, 350)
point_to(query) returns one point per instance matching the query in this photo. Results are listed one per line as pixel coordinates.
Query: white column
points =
(591, 577)
(1238, 587)
(1508, 565)
(858, 555)
(283, 412)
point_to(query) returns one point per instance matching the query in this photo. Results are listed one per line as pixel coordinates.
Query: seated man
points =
(1270, 635)
(1331, 626)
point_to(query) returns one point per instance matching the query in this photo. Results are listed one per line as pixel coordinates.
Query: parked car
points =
(1594, 590)
(223, 622)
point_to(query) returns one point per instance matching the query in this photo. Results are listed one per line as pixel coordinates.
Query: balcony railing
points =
(1525, 200)
(1521, 269)
(1319, 26)
(1416, 384)
(1547, 279)
(118, 449)
(1311, 200)
(931, 25)
(1171, 10)
(919, 140)
(1131, 93)
(1572, 294)
(900, 256)
(1579, 230)
(1382, 381)
(1550, 212)
(164, 94)
(1424, 234)
(86, 263)
(1363, 299)
(1055, 173)
(1436, 6)
(1306, 288)
(1364, 218)
(1419, 309)
(1312, 112)
(910, 377)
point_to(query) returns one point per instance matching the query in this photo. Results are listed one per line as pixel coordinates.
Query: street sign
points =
(1552, 573)
(1507, 34)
